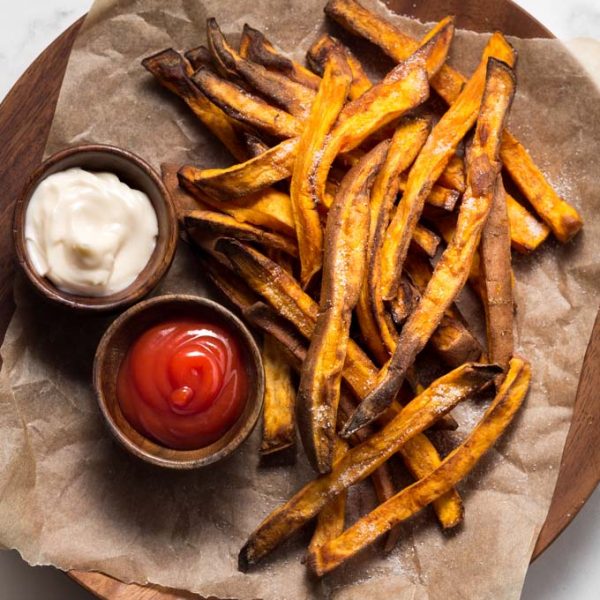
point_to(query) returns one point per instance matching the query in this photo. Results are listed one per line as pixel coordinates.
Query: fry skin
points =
(497, 277)
(456, 466)
(293, 97)
(245, 107)
(173, 72)
(279, 423)
(328, 103)
(438, 149)
(358, 462)
(453, 268)
(288, 299)
(563, 219)
(199, 57)
(453, 176)
(343, 268)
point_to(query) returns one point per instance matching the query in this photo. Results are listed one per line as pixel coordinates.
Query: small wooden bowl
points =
(136, 173)
(122, 334)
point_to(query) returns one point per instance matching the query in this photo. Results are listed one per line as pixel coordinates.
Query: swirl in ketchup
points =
(183, 383)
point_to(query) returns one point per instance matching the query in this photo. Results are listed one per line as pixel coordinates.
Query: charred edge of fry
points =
(173, 72)
(199, 57)
(405, 302)
(218, 223)
(183, 201)
(455, 467)
(453, 176)
(245, 107)
(254, 144)
(360, 461)
(286, 93)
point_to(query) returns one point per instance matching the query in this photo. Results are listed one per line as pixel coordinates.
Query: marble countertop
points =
(567, 571)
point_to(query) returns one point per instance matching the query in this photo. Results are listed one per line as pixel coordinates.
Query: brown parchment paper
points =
(70, 497)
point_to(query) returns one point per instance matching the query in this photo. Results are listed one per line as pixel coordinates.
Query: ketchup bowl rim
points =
(119, 337)
(142, 177)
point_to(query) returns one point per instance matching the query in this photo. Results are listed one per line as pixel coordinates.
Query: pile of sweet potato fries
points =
(354, 217)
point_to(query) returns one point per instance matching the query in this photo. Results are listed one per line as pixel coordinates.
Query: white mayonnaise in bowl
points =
(95, 228)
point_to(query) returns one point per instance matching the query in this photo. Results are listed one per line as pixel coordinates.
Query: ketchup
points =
(183, 383)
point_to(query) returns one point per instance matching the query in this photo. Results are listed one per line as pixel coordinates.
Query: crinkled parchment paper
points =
(70, 497)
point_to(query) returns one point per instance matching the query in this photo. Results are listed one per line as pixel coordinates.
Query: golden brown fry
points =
(294, 97)
(452, 340)
(439, 196)
(344, 262)
(183, 201)
(404, 88)
(173, 72)
(373, 320)
(430, 163)
(245, 107)
(497, 277)
(456, 466)
(319, 52)
(526, 232)
(332, 517)
(360, 461)
(248, 177)
(452, 269)
(279, 423)
(325, 110)
(261, 51)
(426, 240)
(453, 176)
(562, 218)
(288, 299)
(218, 223)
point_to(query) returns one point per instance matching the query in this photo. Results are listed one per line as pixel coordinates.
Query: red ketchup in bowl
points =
(183, 383)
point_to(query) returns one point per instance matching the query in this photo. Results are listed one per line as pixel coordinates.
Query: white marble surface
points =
(567, 571)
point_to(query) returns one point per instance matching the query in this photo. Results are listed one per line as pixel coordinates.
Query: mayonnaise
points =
(89, 233)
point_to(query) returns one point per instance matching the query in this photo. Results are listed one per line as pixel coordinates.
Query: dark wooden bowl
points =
(136, 173)
(113, 347)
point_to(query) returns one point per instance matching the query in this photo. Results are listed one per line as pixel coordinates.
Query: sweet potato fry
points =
(439, 197)
(404, 88)
(455, 467)
(453, 176)
(254, 145)
(293, 97)
(279, 423)
(183, 201)
(405, 302)
(430, 163)
(173, 72)
(563, 219)
(319, 53)
(497, 277)
(288, 299)
(357, 463)
(261, 51)
(217, 223)
(248, 177)
(426, 240)
(526, 232)
(372, 316)
(245, 107)
(452, 269)
(344, 262)
(325, 110)
(199, 57)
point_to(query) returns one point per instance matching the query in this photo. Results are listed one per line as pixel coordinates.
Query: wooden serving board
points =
(25, 119)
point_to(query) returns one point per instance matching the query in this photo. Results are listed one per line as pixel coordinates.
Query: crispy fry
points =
(279, 423)
(173, 72)
(245, 107)
(325, 110)
(218, 223)
(439, 196)
(562, 218)
(438, 399)
(344, 261)
(452, 340)
(430, 163)
(319, 53)
(261, 51)
(405, 302)
(404, 88)
(331, 518)
(254, 145)
(426, 240)
(248, 177)
(199, 57)
(456, 466)
(452, 269)
(453, 176)
(373, 320)
(288, 299)
(497, 277)
(293, 97)
(526, 232)
(183, 201)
